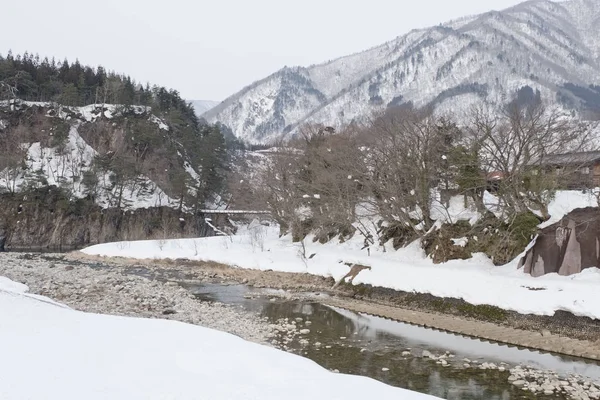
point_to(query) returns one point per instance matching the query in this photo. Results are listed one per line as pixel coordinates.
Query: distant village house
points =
(576, 170)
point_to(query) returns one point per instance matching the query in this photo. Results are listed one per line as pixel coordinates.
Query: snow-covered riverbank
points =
(477, 280)
(112, 291)
(52, 352)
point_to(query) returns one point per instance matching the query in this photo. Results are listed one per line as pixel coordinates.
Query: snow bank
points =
(13, 287)
(49, 352)
(455, 210)
(566, 201)
(476, 280)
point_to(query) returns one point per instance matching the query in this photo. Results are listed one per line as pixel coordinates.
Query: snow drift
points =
(51, 352)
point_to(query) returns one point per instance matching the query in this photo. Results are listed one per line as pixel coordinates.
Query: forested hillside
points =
(30, 78)
(88, 156)
(124, 137)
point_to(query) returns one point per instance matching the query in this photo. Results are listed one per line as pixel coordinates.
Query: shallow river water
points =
(438, 363)
(391, 351)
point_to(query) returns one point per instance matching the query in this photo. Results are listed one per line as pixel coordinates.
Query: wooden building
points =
(576, 170)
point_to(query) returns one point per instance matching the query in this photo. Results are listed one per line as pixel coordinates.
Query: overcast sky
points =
(211, 49)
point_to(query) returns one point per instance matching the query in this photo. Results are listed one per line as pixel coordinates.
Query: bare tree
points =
(9, 87)
(12, 156)
(7, 90)
(280, 192)
(406, 149)
(515, 145)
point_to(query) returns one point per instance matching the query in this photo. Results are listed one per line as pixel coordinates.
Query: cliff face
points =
(122, 156)
(45, 218)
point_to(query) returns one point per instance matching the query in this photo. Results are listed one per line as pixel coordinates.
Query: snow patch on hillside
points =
(65, 167)
(159, 122)
(483, 58)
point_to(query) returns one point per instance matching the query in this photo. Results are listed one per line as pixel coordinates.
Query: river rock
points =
(427, 354)
(304, 331)
(548, 386)
(385, 369)
(110, 288)
(519, 383)
(406, 353)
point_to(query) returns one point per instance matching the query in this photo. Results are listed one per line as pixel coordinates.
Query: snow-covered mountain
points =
(553, 47)
(202, 106)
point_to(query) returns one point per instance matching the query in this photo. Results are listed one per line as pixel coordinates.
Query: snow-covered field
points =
(476, 280)
(48, 351)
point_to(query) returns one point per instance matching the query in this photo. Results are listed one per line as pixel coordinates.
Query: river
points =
(392, 352)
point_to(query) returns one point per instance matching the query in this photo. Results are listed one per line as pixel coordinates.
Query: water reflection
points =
(363, 345)
(416, 336)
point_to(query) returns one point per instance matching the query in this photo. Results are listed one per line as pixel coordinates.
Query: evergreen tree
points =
(30, 78)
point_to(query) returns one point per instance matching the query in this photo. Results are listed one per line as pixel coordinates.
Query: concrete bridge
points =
(231, 212)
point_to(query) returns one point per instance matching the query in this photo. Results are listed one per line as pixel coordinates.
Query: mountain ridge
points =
(202, 106)
(541, 44)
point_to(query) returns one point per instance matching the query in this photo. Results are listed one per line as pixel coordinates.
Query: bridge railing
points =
(234, 212)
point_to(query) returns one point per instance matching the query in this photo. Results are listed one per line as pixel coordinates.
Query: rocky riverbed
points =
(114, 291)
(528, 378)
(161, 291)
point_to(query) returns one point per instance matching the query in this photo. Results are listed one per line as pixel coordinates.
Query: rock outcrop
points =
(45, 218)
(2, 237)
(566, 247)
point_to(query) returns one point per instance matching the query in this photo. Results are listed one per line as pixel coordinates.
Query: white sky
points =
(211, 49)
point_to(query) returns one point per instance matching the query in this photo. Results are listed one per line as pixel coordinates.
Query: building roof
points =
(495, 176)
(581, 158)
